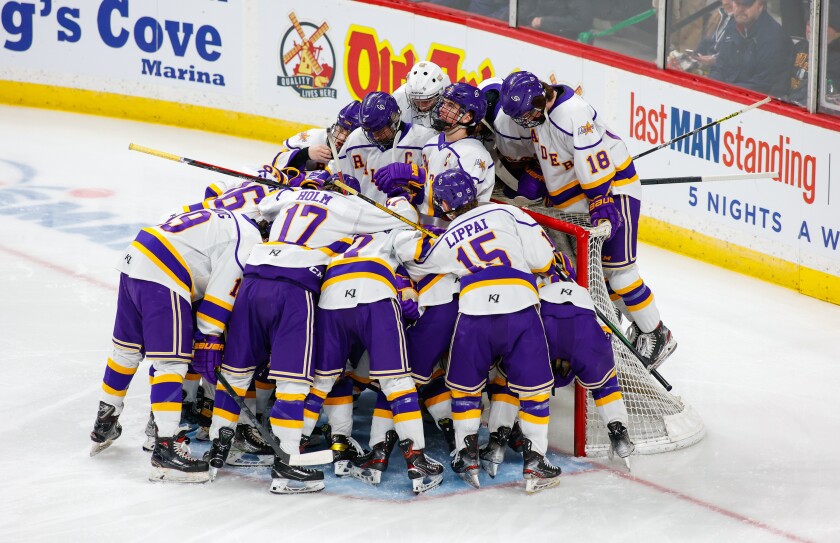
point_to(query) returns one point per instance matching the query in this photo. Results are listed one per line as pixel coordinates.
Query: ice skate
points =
(656, 346)
(369, 467)
(171, 462)
(538, 472)
(620, 443)
(448, 429)
(425, 473)
(344, 449)
(632, 333)
(151, 433)
(106, 428)
(515, 438)
(493, 453)
(286, 479)
(249, 448)
(465, 461)
(219, 451)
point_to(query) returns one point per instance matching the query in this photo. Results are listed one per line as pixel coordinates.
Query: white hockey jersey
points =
(495, 249)
(407, 113)
(311, 226)
(200, 256)
(360, 158)
(556, 291)
(298, 142)
(511, 141)
(579, 156)
(467, 154)
(234, 195)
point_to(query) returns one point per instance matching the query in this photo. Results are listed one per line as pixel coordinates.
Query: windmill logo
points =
(307, 60)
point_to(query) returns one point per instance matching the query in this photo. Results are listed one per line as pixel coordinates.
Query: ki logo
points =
(127, 259)
(493, 298)
(275, 252)
(350, 293)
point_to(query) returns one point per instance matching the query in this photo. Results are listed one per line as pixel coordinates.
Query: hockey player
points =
(496, 250)
(358, 308)
(310, 150)
(587, 168)
(416, 98)
(275, 317)
(383, 139)
(578, 349)
(191, 257)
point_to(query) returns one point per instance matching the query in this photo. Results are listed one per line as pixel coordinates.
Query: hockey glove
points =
(408, 298)
(603, 208)
(532, 184)
(565, 267)
(207, 356)
(396, 178)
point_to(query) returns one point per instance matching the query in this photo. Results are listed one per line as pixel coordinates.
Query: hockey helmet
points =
(453, 190)
(379, 116)
(348, 180)
(345, 123)
(467, 99)
(519, 92)
(314, 179)
(423, 85)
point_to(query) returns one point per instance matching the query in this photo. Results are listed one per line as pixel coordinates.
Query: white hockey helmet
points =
(423, 85)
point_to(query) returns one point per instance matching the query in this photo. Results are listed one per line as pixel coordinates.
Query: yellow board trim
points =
(809, 282)
(149, 110)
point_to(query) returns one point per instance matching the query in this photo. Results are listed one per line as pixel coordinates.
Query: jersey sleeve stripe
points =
(165, 257)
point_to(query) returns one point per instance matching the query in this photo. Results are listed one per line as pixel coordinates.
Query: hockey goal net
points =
(658, 421)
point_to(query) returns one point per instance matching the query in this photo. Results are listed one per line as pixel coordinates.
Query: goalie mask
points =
(523, 99)
(345, 123)
(453, 193)
(456, 102)
(379, 116)
(423, 85)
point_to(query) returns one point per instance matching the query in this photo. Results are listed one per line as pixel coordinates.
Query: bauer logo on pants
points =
(307, 59)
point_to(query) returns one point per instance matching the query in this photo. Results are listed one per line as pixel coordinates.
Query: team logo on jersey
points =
(588, 128)
(307, 60)
(303, 136)
(482, 165)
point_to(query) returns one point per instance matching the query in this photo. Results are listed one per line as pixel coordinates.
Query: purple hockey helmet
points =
(467, 98)
(348, 180)
(453, 190)
(311, 180)
(346, 122)
(518, 93)
(379, 116)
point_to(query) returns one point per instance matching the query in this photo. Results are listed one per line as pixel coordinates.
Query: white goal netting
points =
(659, 421)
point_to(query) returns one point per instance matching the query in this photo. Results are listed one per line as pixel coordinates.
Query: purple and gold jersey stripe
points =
(625, 173)
(428, 282)
(498, 275)
(214, 311)
(356, 268)
(155, 246)
(567, 195)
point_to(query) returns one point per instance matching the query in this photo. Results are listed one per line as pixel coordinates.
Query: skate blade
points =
(244, 459)
(149, 444)
(369, 476)
(212, 472)
(288, 486)
(97, 448)
(471, 478)
(424, 484)
(164, 475)
(669, 350)
(492, 468)
(537, 484)
(627, 463)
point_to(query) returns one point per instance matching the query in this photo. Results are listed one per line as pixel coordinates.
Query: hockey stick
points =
(204, 165)
(645, 362)
(704, 127)
(709, 178)
(316, 458)
(350, 190)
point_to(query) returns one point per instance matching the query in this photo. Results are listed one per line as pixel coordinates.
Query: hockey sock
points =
(382, 421)
(466, 415)
(504, 405)
(402, 396)
(119, 371)
(609, 402)
(225, 409)
(637, 297)
(314, 400)
(436, 397)
(191, 381)
(338, 407)
(265, 391)
(533, 419)
(287, 414)
(167, 388)
(251, 398)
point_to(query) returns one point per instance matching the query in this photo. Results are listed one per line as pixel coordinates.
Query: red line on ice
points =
(57, 268)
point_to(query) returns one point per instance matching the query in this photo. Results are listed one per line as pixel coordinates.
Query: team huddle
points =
(372, 258)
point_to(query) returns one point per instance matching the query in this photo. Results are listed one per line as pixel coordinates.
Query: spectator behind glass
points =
(566, 18)
(801, 62)
(753, 50)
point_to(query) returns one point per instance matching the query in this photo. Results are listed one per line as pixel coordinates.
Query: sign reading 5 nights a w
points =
(308, 60)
